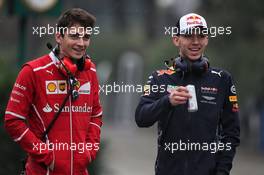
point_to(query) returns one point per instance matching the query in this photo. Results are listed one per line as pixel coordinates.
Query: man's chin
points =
(77, 57)
(194, 57)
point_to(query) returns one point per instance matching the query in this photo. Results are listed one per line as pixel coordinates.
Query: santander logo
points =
(85, 108)
(47, 108)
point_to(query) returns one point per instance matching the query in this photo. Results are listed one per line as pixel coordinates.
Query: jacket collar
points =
(53, 58)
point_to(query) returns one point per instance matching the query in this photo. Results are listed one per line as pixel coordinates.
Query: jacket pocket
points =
(81, 160)
(88, 157)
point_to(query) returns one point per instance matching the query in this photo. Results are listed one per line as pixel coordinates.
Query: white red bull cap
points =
(190, 21)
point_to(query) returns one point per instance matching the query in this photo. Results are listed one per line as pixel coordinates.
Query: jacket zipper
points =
(186, 164)
(71, 161)
(189, 120)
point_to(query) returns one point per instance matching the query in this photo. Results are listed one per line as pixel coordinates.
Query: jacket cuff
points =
(221, 173)
(165, 101)
(49, 159)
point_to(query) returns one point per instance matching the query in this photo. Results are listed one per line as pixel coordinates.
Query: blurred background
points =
(132, 44)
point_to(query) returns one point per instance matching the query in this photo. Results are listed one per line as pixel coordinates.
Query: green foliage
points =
(9, 148)
(6, 82)
(96, 167)
(239, 53)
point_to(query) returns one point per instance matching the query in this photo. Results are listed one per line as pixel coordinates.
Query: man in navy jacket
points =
(201, 141)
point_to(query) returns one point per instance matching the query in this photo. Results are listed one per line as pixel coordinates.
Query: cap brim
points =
(194, 30)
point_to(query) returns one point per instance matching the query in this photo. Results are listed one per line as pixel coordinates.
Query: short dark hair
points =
(75, 16)
(178, 28)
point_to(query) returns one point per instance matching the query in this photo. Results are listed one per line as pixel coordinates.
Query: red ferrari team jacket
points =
(74, 139)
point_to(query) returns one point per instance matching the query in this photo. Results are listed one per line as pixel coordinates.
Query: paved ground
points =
(132, 151)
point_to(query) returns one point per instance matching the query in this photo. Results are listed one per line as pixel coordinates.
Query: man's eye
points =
(86, 36)
(201, 35)
(74, 36)
(187, 35)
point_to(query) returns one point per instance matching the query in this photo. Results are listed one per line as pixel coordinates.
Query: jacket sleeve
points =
(230, 129)
(17, 114)
(93, 135)
(152, 105)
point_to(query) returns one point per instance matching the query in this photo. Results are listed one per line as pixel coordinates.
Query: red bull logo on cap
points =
(193, 17)
(191, 20)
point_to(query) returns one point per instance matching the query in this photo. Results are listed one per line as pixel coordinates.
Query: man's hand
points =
(52, 164)
(178, 96)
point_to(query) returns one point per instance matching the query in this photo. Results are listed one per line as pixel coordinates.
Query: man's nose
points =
(195, 39)
(80, 41)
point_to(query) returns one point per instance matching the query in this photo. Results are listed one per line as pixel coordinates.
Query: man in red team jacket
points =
(38, 94)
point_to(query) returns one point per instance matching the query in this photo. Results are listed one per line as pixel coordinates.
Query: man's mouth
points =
(78, 50)
(194, 49)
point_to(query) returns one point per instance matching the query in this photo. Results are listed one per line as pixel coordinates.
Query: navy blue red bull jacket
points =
(192, 143)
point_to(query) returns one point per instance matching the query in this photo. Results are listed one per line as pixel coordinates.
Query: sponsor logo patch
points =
(208, 102)
(146, 89)
(62, 87)
(170, 88)
(50, 71)
(233, 89)
(169, 72)
(52, 87)
(17, 93)
(235, 107)
(233, 98)
(47, 108)
(209, 98)
(19, 86)
(80, 108)
(14, 100)
(85, 88)
(209, 90)
(217, 73)
(78, 84)
(56, 87)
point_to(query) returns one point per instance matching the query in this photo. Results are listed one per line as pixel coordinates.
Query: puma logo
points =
(217, 73)
(50, 72)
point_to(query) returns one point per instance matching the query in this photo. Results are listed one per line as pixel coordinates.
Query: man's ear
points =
(58, 38)
(176, 40)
